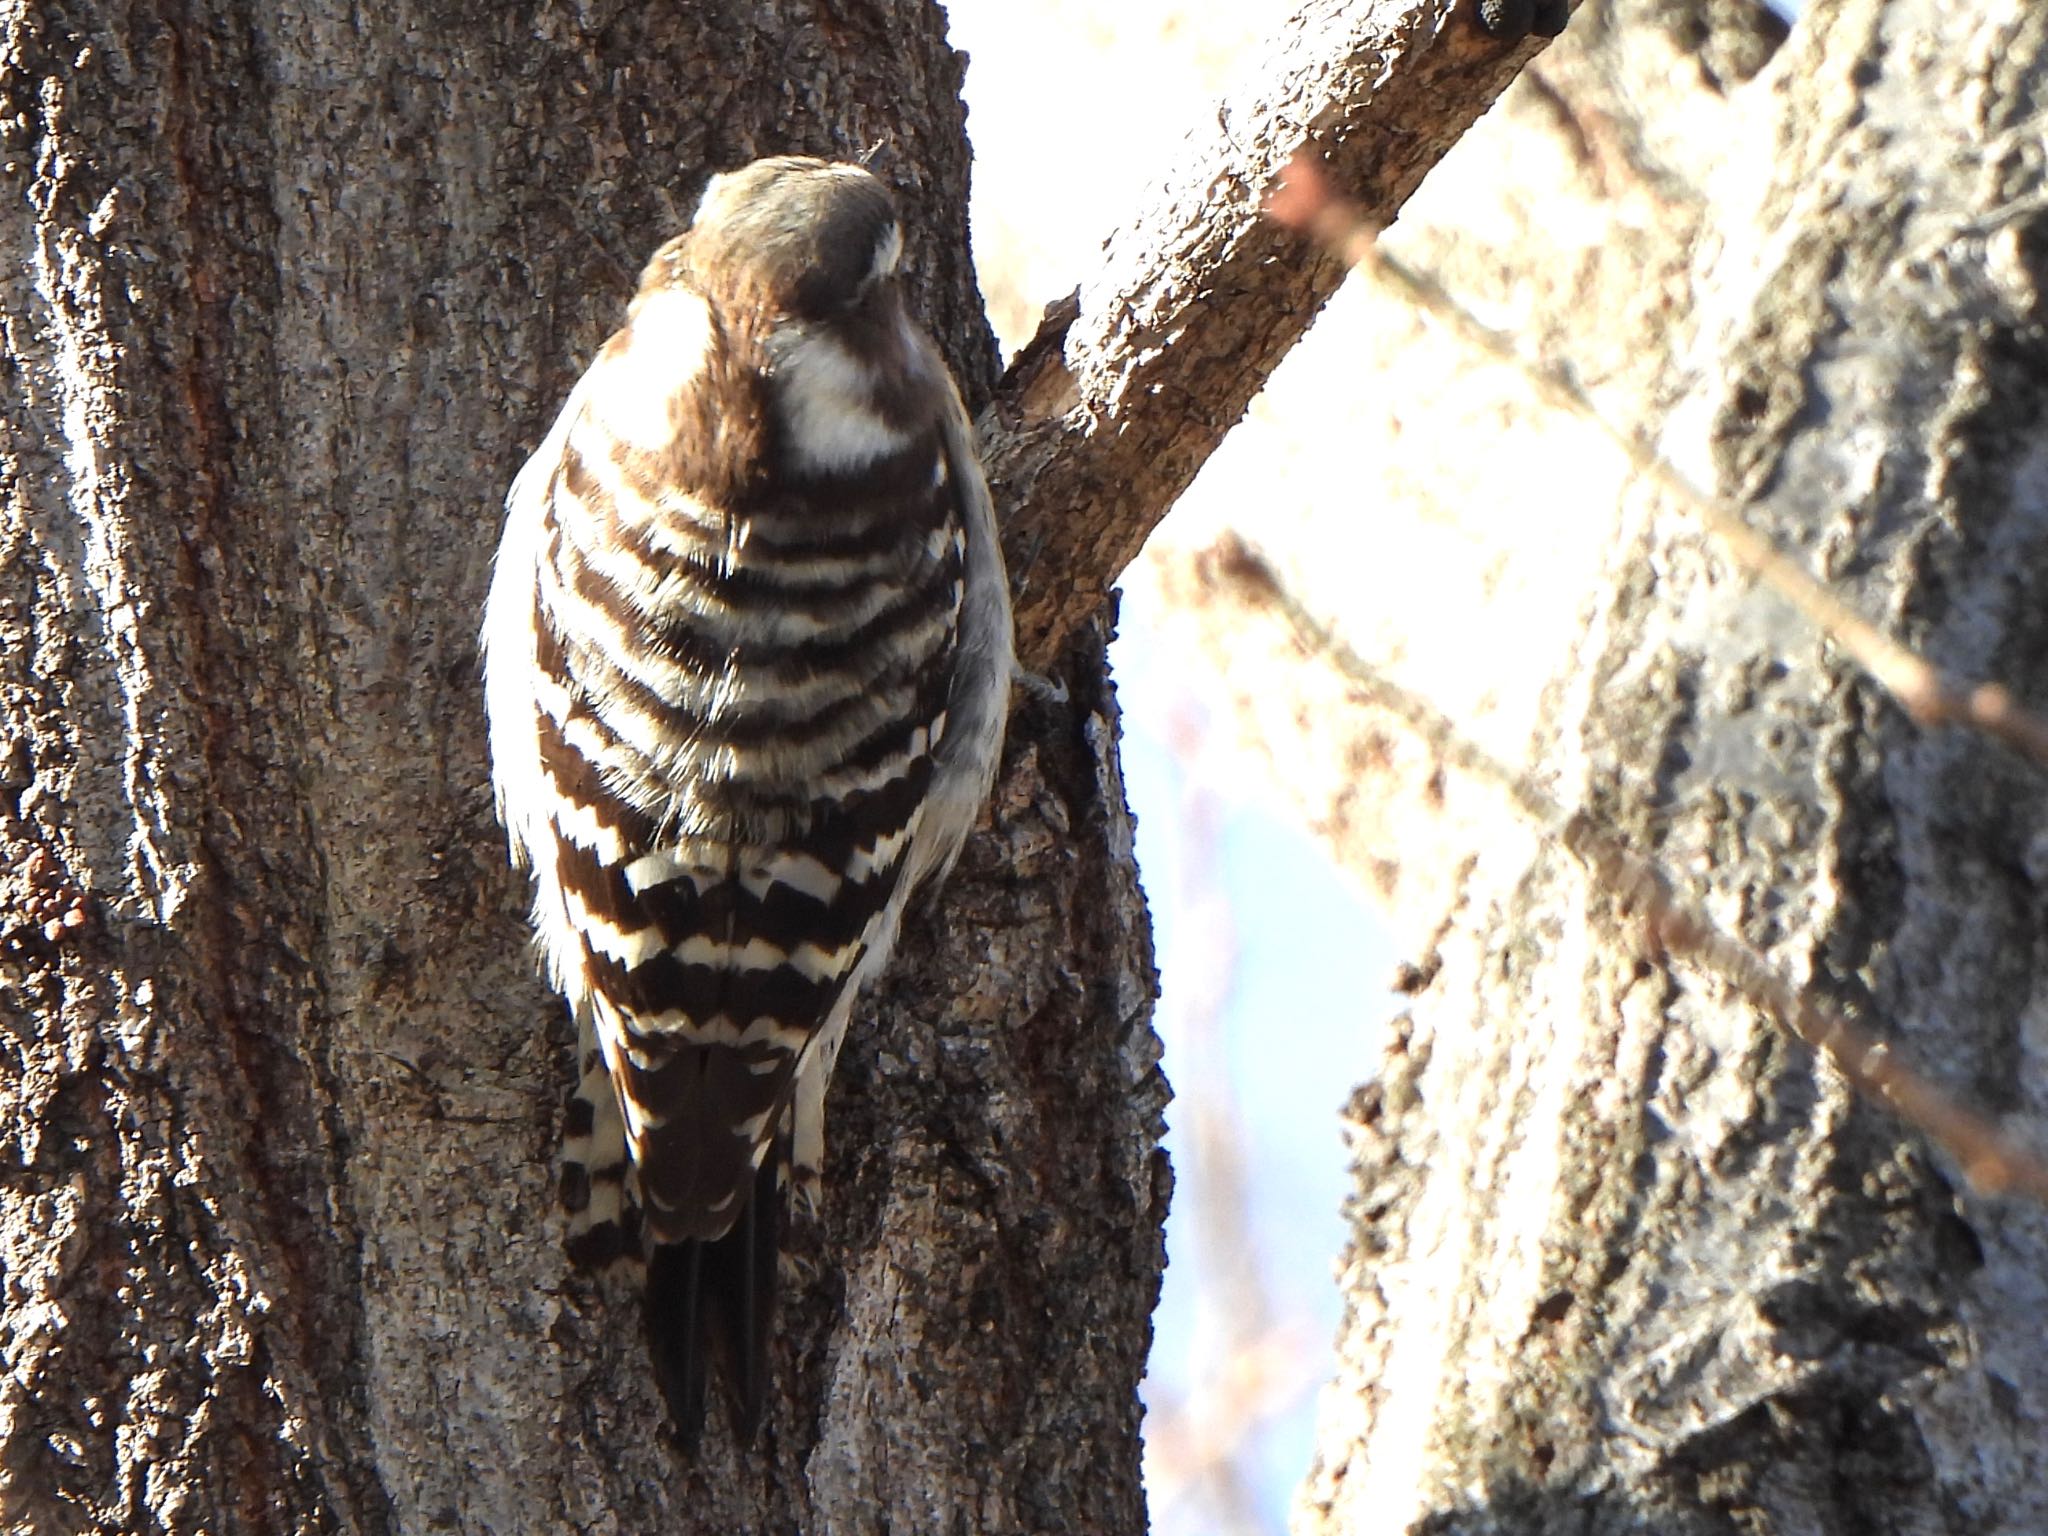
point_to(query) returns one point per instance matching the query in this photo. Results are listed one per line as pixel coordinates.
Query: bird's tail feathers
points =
(717, 1294)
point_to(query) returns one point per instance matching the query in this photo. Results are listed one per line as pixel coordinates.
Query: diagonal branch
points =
(1930, 695)
(1105, 417)
(1676, 919)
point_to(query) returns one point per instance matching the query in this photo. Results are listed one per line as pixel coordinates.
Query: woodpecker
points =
(747, 656)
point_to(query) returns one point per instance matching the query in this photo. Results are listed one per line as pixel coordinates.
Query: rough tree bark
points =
(291, 294)
(1625, 1259)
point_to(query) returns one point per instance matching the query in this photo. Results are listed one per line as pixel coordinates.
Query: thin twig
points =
(1303, 200)
(1265, 1378)
(1992, 1162)
(1234, 1300)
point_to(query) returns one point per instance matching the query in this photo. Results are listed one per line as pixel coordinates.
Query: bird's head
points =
(794, 237)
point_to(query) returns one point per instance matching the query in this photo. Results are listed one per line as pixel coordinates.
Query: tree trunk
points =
(1626, 1258)
(293, 295)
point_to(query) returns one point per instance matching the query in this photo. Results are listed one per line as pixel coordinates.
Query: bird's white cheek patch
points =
(647, 366)
(888, 252)
(827, 399)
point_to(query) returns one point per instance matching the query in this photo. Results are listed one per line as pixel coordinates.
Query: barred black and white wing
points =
(747, 653)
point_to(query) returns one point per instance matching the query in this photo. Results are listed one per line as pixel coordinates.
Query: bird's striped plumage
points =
(747, 654)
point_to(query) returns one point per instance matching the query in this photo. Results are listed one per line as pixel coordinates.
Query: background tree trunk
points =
(1625, 1258)
(292, 294)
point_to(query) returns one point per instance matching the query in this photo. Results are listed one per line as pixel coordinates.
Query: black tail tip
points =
(674, 1310)
(717, 1293)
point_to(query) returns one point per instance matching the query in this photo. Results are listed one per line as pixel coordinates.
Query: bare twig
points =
(1263, 1378)
(1991, 1161)
(1304, 200)
(1219, 1419)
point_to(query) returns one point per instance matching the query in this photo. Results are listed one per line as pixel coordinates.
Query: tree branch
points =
(1130, 385)
(1932, 695)
(1673, 919)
